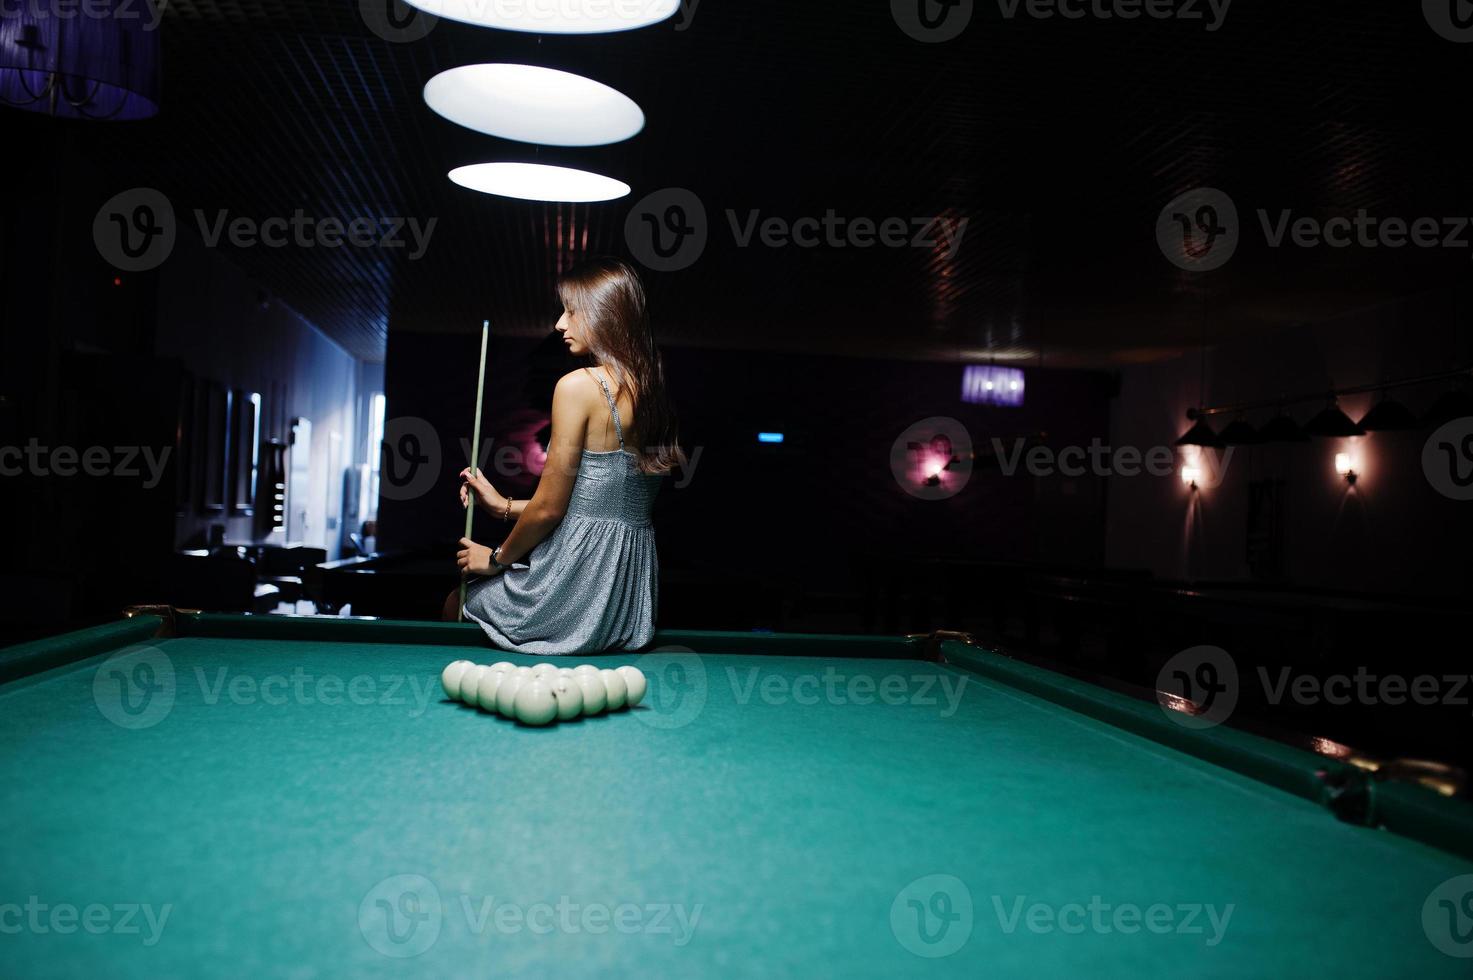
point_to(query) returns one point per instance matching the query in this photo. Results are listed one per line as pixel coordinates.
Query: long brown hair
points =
(608, 298)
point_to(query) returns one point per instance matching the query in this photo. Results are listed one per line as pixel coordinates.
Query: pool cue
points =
(470, 499)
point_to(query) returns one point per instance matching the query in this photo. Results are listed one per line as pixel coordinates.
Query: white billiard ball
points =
(594, 695)
(522, 672)
(535, 703)
(634, 680)
(469, 682)
(506, 695)
(486, 689)
(503, 666)
(544, 671)
(569, 697)
(614, 685)
(565, 672)
(450, 678)
(588, 669)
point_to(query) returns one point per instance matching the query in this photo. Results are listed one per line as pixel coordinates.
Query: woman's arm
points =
(488, 498)
(538, 517)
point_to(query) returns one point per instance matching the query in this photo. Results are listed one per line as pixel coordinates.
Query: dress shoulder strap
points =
(613, 407)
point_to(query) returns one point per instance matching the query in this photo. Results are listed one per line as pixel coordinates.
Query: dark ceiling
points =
(1058, 140)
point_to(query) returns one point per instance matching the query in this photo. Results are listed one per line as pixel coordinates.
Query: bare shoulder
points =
(578, 386)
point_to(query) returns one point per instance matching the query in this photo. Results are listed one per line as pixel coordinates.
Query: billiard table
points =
(189, 794)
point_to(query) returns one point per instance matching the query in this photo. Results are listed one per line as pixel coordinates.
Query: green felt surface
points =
(263, 813)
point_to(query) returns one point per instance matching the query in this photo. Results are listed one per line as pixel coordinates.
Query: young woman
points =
(578, 572)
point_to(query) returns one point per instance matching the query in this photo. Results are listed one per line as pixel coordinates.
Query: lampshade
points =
(534, 105)
(1453, 404)
(1333, 422)
(1281, 428)
(1388, 416)
(102, 65)
(1238, 433)
(551, 16)
(1200, 434)
(988, 384)
(538, 182)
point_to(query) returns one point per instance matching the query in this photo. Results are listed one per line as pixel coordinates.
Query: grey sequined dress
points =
(592, 585)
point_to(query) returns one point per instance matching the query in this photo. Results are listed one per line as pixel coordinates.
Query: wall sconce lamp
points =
(1189, 475)
(1345, 466)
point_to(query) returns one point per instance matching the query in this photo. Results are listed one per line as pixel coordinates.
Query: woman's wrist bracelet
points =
(506, 515)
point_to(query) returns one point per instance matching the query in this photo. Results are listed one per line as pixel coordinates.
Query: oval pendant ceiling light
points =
(538, 182)
(534, 105)
(553, 16)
